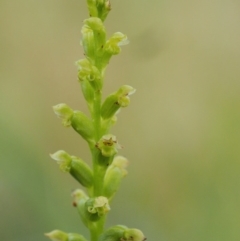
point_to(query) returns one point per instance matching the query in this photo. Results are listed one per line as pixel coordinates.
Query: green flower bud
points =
(133, 235)
(76, 237)
(64, 112)
(114, 233)
(75, 166)
(115, 172)
(57, 235)
(81, 172)
(90, 73)
(96, 208)
(116, 100)
(83, 125)
(122, 233)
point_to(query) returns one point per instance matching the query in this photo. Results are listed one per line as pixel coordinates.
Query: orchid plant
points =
(102, 180)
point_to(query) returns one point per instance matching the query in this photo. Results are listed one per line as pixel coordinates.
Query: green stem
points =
(96, 115)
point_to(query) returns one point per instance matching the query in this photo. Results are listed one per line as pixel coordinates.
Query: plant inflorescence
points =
(102, 180)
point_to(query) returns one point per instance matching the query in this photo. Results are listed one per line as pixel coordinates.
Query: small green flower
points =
(75, 166)
(108, 145)
(98, 206)
(113, 47)
(90, 73)
(116, 100)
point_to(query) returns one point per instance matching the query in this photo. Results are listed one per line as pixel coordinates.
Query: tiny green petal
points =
(113, 44)
(63, 159)
(57, 235)
(79, 195)
(64, 112)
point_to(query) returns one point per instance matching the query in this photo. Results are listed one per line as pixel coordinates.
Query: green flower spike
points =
(116, 100)
(103, 179)
(115, 172)
(75, 166)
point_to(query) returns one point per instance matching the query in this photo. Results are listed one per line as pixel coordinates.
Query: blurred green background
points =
(181, 132)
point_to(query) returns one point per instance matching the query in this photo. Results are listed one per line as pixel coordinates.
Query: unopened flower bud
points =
(122, 233)
(116, 100)
(76, 237)
(115, 172)
(114, 233)
(81, 172)
(82, 125)
(133, 235)
(64, 112)
(75, 166)
(97, 207)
